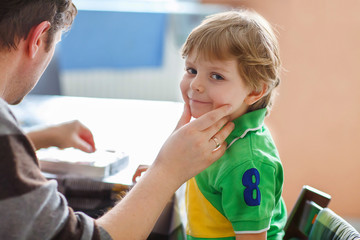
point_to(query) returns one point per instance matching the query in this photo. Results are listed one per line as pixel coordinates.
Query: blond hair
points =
(247, 37)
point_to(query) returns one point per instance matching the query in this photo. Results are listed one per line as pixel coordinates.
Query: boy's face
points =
(207, 85)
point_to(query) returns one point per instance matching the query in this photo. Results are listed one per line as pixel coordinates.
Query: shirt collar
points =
(251, 121)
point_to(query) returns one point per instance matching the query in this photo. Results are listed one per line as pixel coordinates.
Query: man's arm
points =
(187, 151)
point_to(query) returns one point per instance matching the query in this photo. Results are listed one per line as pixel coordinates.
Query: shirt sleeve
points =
(32, 207)
(248, 196)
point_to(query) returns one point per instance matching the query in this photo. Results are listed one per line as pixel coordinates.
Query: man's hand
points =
(65, 135)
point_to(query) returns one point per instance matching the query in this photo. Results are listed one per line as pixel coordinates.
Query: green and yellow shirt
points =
(241, 192)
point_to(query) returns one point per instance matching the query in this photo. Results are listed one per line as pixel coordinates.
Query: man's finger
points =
(185, 117)
(87, 136)
(83, 146)
(218, 153)
(220, 136)
(213, 129)
(210, 118)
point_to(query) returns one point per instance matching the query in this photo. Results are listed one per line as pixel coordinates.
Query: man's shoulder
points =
(8, 122)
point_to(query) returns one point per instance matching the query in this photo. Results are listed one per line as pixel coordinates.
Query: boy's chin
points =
(197, 114)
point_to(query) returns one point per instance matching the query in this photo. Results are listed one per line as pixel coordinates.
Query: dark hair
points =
(17, 17)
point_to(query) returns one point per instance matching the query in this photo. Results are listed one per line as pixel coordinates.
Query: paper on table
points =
(99, 164)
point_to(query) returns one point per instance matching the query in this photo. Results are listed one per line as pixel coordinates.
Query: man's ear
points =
(37, 37)
(254, 96)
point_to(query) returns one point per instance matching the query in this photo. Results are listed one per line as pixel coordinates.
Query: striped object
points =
(328, 225)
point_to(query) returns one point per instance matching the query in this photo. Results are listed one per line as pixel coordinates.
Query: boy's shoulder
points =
(250, 144)
(247, 123)
(251, 139)
(257, 147)
(256, 150)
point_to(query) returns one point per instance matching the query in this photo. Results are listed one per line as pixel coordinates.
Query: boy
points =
(233, 57)
(31, 206)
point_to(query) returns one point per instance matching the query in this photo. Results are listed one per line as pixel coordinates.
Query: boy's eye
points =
(217, 77)
(191, 71)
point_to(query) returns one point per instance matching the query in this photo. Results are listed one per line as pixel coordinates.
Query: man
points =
(30, 205)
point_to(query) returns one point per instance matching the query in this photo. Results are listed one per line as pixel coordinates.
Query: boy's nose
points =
(197, 85)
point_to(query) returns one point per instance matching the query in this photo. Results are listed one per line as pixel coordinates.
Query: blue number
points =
(251, 180)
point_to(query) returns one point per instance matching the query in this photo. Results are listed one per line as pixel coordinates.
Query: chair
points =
(329, 225)
(304, 211)
(310, 219)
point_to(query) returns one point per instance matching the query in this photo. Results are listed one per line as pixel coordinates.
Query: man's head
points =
(18, 17)
(29, 31)
(248, 39)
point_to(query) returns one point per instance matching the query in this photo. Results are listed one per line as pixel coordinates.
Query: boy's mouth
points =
(196, 101)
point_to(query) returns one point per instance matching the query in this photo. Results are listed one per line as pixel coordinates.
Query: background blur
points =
(130, 49)
(316, 117)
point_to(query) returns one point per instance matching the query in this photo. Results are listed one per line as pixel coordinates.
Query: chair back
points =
(329, 226)
(304, 212)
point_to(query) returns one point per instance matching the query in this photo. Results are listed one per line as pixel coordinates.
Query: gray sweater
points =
(30, 206)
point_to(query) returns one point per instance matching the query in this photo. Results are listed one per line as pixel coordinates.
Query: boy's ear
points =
(37, 36)
(254, 96)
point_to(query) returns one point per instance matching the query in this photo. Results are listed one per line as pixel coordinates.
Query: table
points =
(137, 127)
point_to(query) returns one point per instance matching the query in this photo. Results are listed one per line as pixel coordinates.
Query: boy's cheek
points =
(221, 102)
